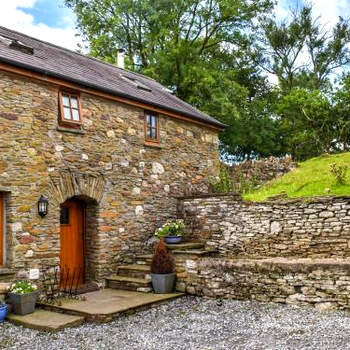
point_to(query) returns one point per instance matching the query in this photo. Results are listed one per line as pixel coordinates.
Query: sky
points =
(50, 20)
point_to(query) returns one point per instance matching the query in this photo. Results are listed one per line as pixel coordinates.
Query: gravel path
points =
(195, 323)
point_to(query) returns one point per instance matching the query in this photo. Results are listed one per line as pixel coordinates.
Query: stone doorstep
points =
(44, 320)
(108, 304)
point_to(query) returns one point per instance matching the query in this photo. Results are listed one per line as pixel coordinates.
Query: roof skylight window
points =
(17, 45)
(136, 83)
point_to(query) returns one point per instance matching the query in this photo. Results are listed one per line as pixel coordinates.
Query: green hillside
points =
(311, 178)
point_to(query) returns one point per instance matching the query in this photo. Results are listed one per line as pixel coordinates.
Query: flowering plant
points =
(23, 287)
(171, 229)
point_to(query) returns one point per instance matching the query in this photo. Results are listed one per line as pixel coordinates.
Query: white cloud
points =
(14, 18)
(328, 10)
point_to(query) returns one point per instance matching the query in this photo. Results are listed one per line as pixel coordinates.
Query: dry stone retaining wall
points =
(291, 251)
(318, 227)
(324, 284)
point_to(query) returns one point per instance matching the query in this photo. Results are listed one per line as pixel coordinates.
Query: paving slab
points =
(107, 304)
(44, 320)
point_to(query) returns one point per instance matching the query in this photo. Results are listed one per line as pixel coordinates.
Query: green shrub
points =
(223, 183)
(339, 172)
(162, 260)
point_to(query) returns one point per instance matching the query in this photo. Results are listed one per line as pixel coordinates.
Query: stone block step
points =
(144, 259)
(138, 271)
(44, 320)
(128, 283)
(193, 252)
(185, 246)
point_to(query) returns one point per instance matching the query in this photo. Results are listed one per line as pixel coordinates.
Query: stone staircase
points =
(137, 277)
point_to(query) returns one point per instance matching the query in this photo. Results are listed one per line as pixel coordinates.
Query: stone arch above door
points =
(68, 185)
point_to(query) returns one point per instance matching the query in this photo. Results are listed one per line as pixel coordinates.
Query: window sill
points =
(152, 144)
(71, 130)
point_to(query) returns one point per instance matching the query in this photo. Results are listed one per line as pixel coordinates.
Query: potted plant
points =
(171, 231)
(3, 311)
(23, 295)
(162, 269)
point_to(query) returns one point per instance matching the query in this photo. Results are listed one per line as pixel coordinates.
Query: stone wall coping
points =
(292, 264)
(210, 195)
(284, 201)
(315, 199)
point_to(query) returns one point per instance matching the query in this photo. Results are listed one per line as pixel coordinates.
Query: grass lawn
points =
(311, 178)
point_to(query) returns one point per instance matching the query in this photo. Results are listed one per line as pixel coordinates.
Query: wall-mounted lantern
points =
(43, 204)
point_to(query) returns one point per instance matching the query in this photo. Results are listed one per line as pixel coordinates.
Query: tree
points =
(200, 49)
(301, 52)
(341, 110)
(170, 40)
(307, 123)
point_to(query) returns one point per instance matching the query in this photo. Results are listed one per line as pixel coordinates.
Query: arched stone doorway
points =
(81, 194)
(78, 240)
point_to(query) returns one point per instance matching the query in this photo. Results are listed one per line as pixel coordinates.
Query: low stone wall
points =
(323, 283)
(318, 227)
(260, 171)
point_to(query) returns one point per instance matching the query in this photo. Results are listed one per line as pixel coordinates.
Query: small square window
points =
(64, 217)
(152, 127)
(70, 109)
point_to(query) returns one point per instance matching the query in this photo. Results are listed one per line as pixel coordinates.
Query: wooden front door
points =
(72, 243)
(1, 229)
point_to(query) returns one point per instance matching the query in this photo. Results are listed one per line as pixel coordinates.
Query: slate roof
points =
(62, 63)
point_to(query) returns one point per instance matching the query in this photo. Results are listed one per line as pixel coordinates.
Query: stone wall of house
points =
(323, 283)
(314, 228)
(128, 187)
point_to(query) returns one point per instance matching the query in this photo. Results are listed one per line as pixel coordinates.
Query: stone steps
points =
(129, 283)
(137, 276)
(143, 259)
(185, 246)
(44, 320)
(137, 271)
(107, 304)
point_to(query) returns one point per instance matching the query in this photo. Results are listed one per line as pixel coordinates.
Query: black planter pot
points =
(23, 304)
(163, 283)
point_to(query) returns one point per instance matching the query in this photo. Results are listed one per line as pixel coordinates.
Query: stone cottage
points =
(108, 149)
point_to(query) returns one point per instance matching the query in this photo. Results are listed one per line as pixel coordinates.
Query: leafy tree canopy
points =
(215, 55)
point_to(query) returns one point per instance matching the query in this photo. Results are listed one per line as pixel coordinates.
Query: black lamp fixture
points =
(43, 204)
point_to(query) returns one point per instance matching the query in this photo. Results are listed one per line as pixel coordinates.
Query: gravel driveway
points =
(195, 323)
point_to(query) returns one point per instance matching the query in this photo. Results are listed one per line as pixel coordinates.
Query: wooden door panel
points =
(72, 242)
(1, 229)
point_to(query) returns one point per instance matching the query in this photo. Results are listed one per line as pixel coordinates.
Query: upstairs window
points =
(151, 127)
(70, 108)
